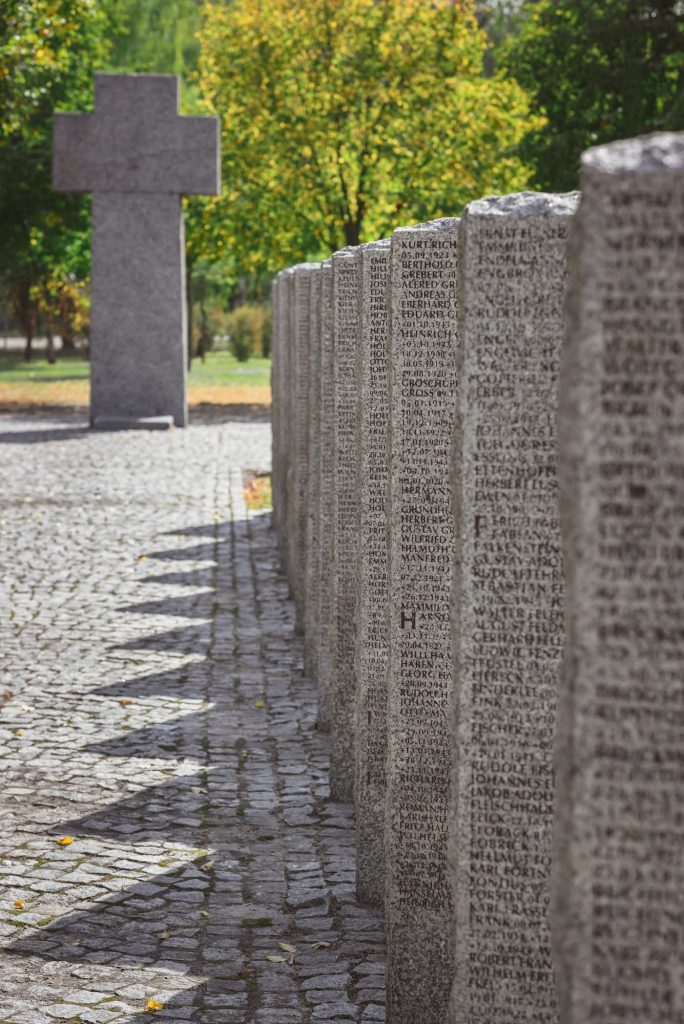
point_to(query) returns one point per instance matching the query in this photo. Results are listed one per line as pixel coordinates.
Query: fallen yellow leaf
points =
(276, 959)
(286, 947)
(259, 704)
(18, 732)
(244, 755)
(19, 904)
(65, 841)
(142, 558)
(321, 945)
(154, 1004)
(125, 701)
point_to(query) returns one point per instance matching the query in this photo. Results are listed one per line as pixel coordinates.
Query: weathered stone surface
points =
(325, 502)
(345, 275)
(282, 434)
(300, 288)
(136, 142)
(423, 344)
(507, 614)
(618, 919)
(138, 320)
(137, 156)
(372, 638)
(313, 565)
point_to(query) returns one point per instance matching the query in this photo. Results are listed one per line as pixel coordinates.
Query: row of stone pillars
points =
(462, 622)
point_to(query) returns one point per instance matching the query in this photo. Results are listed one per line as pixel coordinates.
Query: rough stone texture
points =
(137, 156)
(507, 613)
(138, 323)
(300, 384)
(618, 919)
(281, 413)
(345, 275)
(423, 343)
(313, 564)
(325, 507)
(159, 716)
(372, 638)
(136, 142)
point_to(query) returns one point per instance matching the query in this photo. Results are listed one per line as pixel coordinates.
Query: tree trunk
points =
(51, 353)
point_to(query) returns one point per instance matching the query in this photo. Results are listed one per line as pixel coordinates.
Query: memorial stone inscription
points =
(325, 500)
(300, 297)
(311, 599)
(618, 918)
(507, 614)
(423, 343)
(372, 640)
(345, 267)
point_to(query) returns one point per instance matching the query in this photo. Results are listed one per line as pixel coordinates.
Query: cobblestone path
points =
(155, 712)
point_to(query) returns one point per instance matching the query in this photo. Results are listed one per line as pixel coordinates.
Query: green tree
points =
(598, 70)
(48, 49)
(344, 118)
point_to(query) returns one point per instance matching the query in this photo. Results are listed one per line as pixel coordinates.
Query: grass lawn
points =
(220, 381)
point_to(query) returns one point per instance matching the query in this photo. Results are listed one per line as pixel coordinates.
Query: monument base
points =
(132, 423)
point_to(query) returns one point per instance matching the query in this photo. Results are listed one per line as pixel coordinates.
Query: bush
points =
(249, 332)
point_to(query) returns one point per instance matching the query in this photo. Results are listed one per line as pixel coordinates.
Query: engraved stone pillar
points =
(312, 565)
(372, 638)
(618, 919)
(507, 614)
(423, 344)
(345, 276)
(137, 157)
(325, 503)
(299, 384)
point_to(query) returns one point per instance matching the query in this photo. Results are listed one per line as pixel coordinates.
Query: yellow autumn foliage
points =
(342, 119)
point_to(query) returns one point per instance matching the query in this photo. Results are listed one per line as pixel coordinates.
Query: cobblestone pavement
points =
(155, 712)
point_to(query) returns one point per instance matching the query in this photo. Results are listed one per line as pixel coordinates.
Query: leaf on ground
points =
(321, 945)
(19, 904)
(286, 947)
(125, 701)
(208, 866)
(259, 703)
(7, 695)
(18, 732)
(27, 707)
(142, 558)
(154, 1004)
(276, 959)
(244, 755)
(65, 841)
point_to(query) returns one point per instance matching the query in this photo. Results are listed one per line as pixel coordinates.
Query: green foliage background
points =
(512, 101)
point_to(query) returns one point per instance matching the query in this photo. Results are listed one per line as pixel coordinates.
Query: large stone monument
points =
(345, 304)
(137, 157)
(507, 614)
(618, 919)
(423, 345)
(372, 636)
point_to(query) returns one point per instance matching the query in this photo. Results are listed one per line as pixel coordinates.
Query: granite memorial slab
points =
(326, 552)
(618, 905)
(507, 610)
(345, 304)
(313, 565)
(423, 345)
(372, 638)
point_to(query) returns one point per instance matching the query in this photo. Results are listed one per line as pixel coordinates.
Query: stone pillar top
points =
(525, 204)
(135, 141)
(648, 154)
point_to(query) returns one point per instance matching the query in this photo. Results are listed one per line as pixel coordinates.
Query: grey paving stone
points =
(157, 588)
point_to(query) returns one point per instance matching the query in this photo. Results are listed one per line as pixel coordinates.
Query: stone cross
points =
(137, 157)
